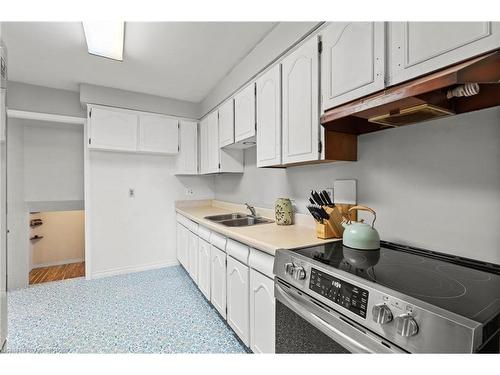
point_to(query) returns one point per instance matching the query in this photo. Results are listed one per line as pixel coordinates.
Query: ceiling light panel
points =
(105, 38)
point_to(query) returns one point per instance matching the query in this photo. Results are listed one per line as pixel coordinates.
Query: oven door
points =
(305, 325)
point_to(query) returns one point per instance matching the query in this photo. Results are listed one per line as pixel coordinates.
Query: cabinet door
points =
(218, 280)
(300, 104)
(226, 123)
(204, 267)
(158, 134)
(237, 299)
(113, 129)
(417, 48)
(193, 255)
(244, 113)
(213, 143)
(187, 159)
(204, 146)
(262, 313)
(182, 246)
(269, 118)
(352, 61)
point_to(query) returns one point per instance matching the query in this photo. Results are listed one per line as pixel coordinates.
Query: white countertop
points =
(266, 237)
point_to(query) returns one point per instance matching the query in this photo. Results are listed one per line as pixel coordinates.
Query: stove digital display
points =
(351, 297)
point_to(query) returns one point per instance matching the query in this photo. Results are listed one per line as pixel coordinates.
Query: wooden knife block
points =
(332, 228)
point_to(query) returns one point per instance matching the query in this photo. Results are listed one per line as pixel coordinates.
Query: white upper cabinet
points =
(417, 48)
(112, 129)
(213, 159)
(226, 123)
(352, 61)
(262, 313)
(209, 144)
(204, 146)
(213, 143)
(269, 118)
(158, 134)
(187, 158)
(237, 299)
(244, 116)
(301, 133)
(116, 129)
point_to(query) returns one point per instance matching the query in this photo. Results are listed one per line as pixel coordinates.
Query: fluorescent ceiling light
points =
(105, 38)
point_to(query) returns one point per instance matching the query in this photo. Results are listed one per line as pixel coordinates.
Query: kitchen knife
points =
(311, 200)
(315, 214)
(317, 198)
(323, 213)
(326, 198)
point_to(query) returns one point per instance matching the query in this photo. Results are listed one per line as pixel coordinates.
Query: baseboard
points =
(132, 269)
(58, 263)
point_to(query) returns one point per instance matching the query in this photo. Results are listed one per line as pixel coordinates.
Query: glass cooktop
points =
(451, 284)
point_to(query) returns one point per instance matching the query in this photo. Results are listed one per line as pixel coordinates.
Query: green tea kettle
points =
(359, 235)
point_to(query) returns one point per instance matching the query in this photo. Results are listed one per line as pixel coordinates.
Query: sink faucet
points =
(252, 209)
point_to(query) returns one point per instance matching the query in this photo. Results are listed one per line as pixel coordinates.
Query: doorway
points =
(57, 246)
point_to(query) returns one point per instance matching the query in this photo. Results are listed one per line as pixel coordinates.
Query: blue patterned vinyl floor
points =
(159, 311)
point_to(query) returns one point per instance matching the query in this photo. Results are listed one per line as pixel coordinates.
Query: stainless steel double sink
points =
(237, 220)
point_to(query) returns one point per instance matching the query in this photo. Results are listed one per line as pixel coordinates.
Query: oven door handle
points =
(301, 308)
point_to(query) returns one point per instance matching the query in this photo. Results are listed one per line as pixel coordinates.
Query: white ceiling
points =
(181, 60)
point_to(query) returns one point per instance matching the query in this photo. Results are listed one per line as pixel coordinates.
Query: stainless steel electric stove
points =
(332, 298)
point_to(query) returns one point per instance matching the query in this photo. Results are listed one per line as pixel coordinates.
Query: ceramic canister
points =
(283, 211)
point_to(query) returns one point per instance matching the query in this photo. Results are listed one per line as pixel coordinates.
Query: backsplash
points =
(435, 185)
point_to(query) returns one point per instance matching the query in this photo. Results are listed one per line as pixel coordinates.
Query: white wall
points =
(17, 219)
(275, 43)
(433, 185)
(53, 162)
(138, 101)
(131, 234)
(63, 238)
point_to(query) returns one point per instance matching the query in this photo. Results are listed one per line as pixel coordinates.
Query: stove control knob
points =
(300, 273)
(406, 326)
(381, 314)
(289, 268)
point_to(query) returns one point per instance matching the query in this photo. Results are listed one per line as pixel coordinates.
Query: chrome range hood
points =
(465, 87)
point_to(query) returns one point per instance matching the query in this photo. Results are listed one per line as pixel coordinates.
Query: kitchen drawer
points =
(238, 251)
(261, 262)
(218, 241)
(189, 224)
(204, 233)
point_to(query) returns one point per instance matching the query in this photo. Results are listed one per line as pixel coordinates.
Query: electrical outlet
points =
(131, 193)
(189, 192)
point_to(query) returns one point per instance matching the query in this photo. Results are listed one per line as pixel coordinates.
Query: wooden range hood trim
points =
(482, 69)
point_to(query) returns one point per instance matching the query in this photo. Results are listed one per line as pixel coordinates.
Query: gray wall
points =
(23, 96)
(433, 185)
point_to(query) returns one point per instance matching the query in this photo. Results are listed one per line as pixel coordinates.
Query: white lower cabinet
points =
(204, 267)
(193, 255)
(237, 299)
(218, 279)
(262, 313)
(182, 245)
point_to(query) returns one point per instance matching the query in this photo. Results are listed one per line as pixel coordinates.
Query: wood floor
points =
(54, 273)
